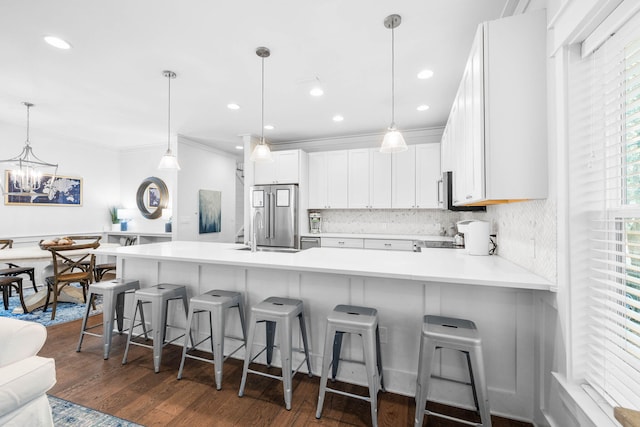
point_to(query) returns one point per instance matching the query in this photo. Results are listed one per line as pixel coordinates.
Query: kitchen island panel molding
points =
(396, 286)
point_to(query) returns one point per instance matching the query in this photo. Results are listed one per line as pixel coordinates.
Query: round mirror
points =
(152, 197)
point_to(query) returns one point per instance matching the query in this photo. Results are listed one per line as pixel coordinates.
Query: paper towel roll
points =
(476, 238)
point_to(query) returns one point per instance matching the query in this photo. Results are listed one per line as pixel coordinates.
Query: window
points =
(607, 164)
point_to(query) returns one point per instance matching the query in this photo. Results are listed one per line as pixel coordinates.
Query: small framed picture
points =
(154, 196)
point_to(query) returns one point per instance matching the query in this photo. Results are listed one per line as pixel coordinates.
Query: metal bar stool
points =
(7, 283)
(353, 320)
(159, 297)
(457, 334)
(277, 311)
(216, 303)
(113, 293)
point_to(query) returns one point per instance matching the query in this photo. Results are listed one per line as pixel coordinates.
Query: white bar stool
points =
(113, 293)
(216, 303)
(277, 311)
(353, 320)
(457, 334)
(159, 297)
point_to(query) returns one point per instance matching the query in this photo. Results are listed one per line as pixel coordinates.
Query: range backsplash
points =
(515, 224)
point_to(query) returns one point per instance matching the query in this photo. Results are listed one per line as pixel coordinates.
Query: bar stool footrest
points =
(447, 417)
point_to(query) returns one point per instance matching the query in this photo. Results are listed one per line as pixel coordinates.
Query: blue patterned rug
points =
(66, 413)
(66, 312)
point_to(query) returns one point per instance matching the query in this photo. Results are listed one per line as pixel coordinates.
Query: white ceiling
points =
(109, 88)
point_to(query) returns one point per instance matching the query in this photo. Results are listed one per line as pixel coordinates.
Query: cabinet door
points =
(337, 176)
(287, 167)
(265, 173)
(403, 179)
(359, 179)
(475, 121)
(317, 181)
(380, 178)
(427, 175)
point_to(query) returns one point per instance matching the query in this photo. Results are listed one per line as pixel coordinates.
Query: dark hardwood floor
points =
(134, 392)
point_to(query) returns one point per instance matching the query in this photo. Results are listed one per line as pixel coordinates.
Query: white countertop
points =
(430, 265)
(381, 236)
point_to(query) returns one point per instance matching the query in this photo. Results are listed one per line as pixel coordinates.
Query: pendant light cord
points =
(262, 111)
(393, 79)
(169, 117)
(28, 107)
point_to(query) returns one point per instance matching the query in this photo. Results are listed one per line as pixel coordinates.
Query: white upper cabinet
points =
(415, 175)
(369, 182)
(328, 177)
(495, 141)
(285, 168)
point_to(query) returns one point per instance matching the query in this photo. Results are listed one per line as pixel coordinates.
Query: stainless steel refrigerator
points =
(274, 215)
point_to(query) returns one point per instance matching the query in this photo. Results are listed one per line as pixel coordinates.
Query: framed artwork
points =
(210, 207)
(154, 196)
(65, 191)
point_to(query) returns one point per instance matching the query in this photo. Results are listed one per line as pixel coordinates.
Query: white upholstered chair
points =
(25, 377)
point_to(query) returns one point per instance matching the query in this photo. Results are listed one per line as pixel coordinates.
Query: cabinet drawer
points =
(390, 245)
(334, 242)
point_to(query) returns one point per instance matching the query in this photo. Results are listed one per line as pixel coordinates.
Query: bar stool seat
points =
(216, 303)
(159, 297)
(277, 311)
(113, 293)
(457, 334)
(353, 320)
(7, 283)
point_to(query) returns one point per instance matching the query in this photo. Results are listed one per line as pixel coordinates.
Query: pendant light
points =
(27, 169)
(261, 152)
(393, 141)
(169, 160)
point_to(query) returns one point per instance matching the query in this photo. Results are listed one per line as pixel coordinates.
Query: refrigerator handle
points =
(272, 215)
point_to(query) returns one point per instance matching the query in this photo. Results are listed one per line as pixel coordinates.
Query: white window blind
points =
(613, 165)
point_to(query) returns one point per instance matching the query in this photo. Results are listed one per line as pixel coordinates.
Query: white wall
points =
(204, 168)
(100, 172)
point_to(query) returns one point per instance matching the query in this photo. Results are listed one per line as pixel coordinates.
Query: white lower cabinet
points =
(389, 244)
(335, 242)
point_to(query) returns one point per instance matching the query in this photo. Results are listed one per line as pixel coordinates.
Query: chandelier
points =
(26, 171)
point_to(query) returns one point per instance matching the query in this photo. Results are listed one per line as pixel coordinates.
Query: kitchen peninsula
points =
(403, 286)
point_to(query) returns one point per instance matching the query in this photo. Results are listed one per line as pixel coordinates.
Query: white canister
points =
(476, 238)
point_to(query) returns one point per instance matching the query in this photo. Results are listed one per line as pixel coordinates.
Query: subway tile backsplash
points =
(515, 224)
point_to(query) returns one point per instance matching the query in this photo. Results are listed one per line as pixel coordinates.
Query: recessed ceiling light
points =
(233, 106)
(425, 74)
(316, 91)
(269, 127)
(338, 118)
(239, 147)
(422, 107)
(57, 42)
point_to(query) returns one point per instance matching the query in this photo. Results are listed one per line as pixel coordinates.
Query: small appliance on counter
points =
(476, 236)
(315, 222)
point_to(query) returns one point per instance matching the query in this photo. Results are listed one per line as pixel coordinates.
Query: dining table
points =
(33, 255)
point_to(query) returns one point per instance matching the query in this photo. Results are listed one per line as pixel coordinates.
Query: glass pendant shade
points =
(261, 153)
(169, 161)
(393, 141)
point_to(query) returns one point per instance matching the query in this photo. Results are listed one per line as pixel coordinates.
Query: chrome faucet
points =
(254, 233)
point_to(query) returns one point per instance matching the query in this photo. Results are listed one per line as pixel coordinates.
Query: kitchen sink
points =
(267, 249)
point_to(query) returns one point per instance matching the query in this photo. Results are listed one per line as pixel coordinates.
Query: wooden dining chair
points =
(66, 260)
(14, 270)
(110, 267)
